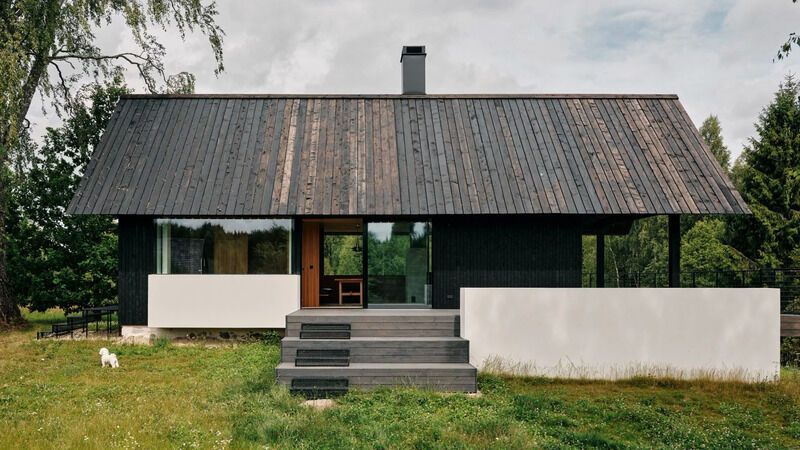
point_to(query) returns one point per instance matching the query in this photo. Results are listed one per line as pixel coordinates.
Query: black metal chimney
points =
(413, 61)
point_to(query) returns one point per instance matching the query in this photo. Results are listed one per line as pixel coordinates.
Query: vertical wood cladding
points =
(137, 260)
(503, 252)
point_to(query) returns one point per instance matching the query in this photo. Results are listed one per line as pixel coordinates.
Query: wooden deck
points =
(790, 325)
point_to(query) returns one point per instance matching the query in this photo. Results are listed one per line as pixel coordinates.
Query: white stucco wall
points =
(221, 301)
(618, 333)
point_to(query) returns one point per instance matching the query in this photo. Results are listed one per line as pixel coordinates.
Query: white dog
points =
(108, 358)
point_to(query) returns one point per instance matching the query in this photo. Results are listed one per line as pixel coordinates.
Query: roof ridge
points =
(401, 96)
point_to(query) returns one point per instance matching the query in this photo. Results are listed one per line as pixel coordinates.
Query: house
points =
(363, 216)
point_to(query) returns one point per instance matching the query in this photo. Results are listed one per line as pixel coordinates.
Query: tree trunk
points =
(9, 312)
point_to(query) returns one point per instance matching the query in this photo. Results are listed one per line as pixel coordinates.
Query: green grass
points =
(54, 394)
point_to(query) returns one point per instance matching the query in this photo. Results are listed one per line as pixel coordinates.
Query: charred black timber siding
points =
(137, 260)
(507, 252)
(229, 155)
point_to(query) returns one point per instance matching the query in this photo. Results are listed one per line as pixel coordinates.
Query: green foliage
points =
(703, 249)
(790, 351)
(711, 131)
(342, 255)
(768, 176)
(56, 260)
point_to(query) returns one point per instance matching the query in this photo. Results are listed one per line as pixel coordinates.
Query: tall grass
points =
(54, 394)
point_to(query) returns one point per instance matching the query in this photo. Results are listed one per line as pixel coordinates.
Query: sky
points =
(717, 56)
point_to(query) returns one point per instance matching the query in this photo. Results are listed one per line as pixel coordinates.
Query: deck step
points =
(385, 349)
(375, 323)
(322, 357)
(441, 377)
(325, 331)
(319, 387)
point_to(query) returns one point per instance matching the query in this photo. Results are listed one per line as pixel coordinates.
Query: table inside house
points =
(350, 288)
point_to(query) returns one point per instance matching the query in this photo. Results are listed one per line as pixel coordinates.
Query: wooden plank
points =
(638, 169)
(501, 156)
(325, 194)
(603, 177)
(278, 179)
(194, 196)
(447, 159)
(284, 178)
(300, 165)
(205, 193)
(564, 155)
(431, 152)
(461, 137)
(306, 200)
(78, 204)
(735, 201)
(564, 202)
(107, 165)
(593, 156)
(663, 153)
(614, 150)
(415, 205)
(577, 154)
(257, 197)
(502, 193)
(696, 160)
(529, 158)
(402, 166)
(392, 163)
(379, 190)
(194, 155)
(291, 174)
(244, 159)
(419, 170)
(514, 166)
(387, 129)
(134, 159)
(244, 198)
(228, 153)
(144, 167)
(492, 200)
(428, 179)
(371, 175)
(361, 196)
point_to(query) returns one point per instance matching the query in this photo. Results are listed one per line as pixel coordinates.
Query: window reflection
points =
(399, 262)
(223, 246)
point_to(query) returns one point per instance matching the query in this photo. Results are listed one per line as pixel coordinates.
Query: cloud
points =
(716, 55)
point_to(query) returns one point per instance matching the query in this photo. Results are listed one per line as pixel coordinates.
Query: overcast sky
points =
(716, 55)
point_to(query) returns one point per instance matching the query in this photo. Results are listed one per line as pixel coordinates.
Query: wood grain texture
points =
(328, 155)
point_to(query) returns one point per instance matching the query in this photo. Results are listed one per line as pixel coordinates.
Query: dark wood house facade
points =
(412, 196)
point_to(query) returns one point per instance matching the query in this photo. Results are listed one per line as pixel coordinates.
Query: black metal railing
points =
(787, 280)
(81, 323)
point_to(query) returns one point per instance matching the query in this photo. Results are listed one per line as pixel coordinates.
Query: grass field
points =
(53, 394)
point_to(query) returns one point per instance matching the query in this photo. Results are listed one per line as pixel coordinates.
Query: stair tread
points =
(383, 338)
(387, 366)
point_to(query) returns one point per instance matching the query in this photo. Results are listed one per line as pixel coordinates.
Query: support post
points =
(674, 250)
(600, 264)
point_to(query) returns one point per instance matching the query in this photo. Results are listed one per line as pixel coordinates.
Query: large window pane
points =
(342, 254)
(398, 263)
(223, 246)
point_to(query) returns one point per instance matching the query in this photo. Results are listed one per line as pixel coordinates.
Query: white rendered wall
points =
(614, 333)
(221, 301)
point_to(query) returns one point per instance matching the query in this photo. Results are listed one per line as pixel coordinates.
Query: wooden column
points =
(600, 264)
(674, 250)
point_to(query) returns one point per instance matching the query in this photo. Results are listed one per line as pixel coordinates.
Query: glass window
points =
(342, 254)
(223, 246)
(399, 263)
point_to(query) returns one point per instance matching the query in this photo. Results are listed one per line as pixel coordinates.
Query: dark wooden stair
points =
(384, 348)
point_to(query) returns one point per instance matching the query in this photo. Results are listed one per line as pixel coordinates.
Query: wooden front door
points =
(309, 282)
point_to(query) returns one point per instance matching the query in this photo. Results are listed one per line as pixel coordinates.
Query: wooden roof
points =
(263, 155)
